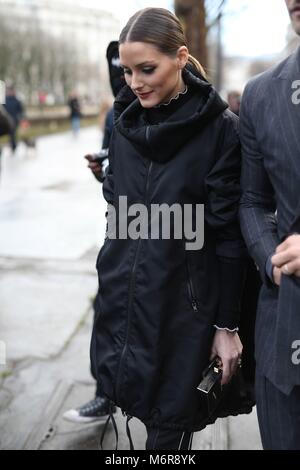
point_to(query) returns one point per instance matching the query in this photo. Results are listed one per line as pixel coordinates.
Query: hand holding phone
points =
(95, 164)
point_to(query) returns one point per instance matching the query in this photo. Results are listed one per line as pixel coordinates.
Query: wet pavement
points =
(51, 227)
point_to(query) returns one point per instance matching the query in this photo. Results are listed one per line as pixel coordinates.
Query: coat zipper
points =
(131, 288)
(191, 289)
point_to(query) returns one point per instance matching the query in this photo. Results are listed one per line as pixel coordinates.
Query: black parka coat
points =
(158, 303)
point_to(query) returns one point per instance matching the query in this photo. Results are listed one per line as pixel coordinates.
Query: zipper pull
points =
(194, 305)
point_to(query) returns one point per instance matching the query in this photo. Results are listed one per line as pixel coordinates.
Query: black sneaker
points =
(95, 410)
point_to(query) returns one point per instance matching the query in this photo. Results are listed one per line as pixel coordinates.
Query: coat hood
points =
(160, 142)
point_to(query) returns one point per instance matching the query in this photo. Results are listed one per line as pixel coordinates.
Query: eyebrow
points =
(140, 65)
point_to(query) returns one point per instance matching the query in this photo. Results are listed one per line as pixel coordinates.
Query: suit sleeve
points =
(221, 214)
(258, 204)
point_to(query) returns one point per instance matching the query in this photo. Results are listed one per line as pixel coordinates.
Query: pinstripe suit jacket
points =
(270, 136)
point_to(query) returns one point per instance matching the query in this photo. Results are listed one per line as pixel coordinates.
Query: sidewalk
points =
(51, 227)
(55, 385)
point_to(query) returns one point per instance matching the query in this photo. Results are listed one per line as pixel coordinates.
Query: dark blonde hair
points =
(162, 29)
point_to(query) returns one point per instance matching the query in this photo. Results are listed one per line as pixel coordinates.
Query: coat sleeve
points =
(221, 214)
(258, 205)
(108, 183)
(108, 127)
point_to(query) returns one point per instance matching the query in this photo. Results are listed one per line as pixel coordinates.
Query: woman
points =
(164, 311)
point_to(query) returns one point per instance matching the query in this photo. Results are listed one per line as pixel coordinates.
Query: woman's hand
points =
(228, 347)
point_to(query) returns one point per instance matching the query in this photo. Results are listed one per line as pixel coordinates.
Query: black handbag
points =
(210, 387)
(219, 401)
(237, 397)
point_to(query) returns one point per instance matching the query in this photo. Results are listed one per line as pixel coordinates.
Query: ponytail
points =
(197, 65)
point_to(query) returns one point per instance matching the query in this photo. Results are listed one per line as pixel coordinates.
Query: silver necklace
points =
(173, 98)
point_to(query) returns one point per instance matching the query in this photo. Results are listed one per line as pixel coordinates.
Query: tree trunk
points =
(193, 19)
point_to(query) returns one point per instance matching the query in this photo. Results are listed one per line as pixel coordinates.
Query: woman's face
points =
(153, 76)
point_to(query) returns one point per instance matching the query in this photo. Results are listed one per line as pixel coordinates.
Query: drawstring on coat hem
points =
(111, 417)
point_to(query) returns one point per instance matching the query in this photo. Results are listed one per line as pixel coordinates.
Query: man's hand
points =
(228, 347)
(95, 167)
(287, 257)
(277, 275)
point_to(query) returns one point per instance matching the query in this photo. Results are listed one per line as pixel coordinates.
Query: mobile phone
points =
(101, 156)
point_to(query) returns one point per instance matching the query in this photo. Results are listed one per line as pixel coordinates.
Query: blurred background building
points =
(49, 48)
(52, 47)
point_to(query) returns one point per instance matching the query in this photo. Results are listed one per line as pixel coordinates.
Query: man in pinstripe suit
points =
(270, 221)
